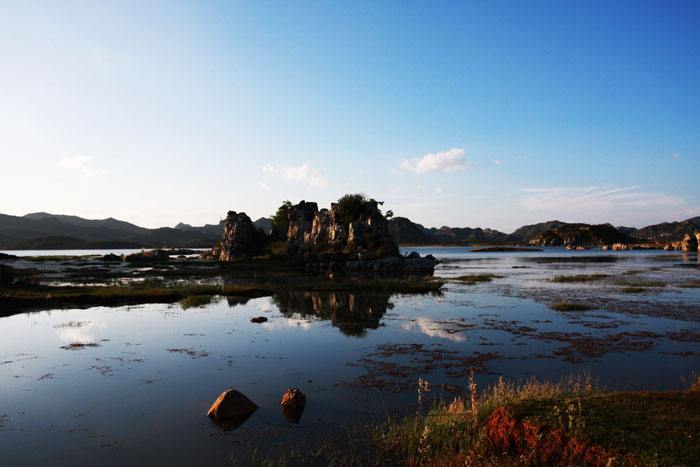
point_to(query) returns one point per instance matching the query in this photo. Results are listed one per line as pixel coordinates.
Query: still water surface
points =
(140, 394)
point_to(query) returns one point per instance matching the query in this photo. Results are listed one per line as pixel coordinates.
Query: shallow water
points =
(141, 394)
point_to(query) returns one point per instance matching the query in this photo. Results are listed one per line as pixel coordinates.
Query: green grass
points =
(570, 306)
(472, 279)
(579, 278)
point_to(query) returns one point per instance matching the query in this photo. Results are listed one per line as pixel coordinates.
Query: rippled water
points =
(140, 394)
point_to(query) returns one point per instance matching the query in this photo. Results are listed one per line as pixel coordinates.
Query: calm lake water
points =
(140, 394)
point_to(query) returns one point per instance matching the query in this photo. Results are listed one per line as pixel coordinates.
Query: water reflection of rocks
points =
(351, 312)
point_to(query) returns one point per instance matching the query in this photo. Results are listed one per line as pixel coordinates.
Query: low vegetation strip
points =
(569, 423)
(471, 279)
(579, 278)
(570, 306)
(42, 296)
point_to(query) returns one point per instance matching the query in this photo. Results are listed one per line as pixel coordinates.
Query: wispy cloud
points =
(80, 164)
(496, 161)
(301, 174)
(263, 185)
(676, 156)
(595, 199)
(446, 161)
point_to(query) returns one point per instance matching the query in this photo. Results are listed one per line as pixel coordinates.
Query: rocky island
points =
(350, 238)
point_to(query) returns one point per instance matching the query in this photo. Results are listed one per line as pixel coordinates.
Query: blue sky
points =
(475, 113)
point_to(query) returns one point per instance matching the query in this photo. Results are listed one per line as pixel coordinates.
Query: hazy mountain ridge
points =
(50, 231)
(553, 232)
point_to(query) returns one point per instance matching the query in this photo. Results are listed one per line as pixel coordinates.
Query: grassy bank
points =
(569, 423)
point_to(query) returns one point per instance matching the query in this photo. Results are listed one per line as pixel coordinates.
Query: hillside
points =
(407, 232)
(527, 232)
(668, 231)
(48, 231)
(580, 235)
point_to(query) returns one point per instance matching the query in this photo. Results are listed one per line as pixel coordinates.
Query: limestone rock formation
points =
(352, 236)
(690, 243)
(241, 238)
(361, 230)
(231, 409)
(300, 224)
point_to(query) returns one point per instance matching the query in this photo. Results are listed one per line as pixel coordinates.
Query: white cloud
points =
(80, 164)
(595, 199)
(497, 162)
(263, 185)
(676, 156)
(446, 161)
(438, 190)
(302, 174)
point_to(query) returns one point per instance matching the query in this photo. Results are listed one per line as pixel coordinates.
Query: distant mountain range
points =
(553, 233)
(50, 231)
(43, 231)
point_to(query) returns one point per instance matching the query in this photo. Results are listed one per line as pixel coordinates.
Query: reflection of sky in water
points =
(432, 329)
(79, 331)
(147, 386)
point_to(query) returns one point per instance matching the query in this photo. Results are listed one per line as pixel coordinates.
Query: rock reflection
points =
(351, 312)
(292, 414)
(231, 423)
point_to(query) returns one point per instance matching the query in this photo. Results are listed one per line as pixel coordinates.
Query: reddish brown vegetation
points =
(545, 446)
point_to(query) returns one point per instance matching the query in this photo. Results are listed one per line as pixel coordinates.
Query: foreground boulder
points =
(689, 243)
(231, 409)
(293, 398)
(293, 403)
(7, 275)
(241, 238)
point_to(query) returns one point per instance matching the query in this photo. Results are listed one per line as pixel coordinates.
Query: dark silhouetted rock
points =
(241, 238)
(7, 275)
(6, 256)
(231, 409)
(152, 255)
(111, 257)
(258, 319)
